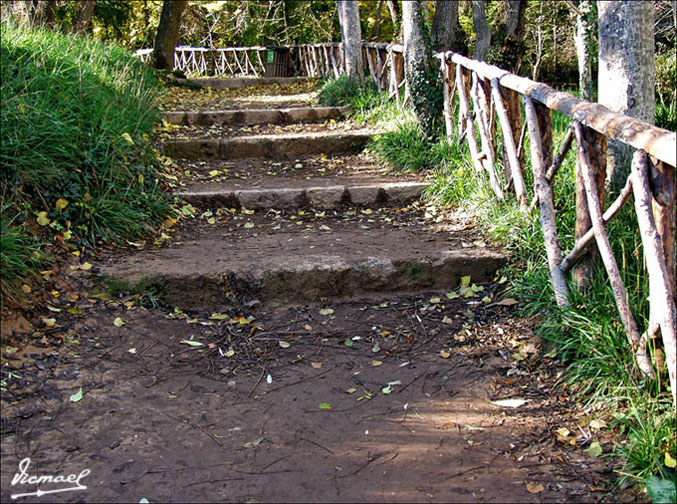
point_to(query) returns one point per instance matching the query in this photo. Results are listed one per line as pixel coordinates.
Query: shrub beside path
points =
(306, 329)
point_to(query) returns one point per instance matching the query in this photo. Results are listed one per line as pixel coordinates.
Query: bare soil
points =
(403, 414)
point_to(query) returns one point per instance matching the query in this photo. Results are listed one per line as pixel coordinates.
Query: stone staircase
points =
(290, 210)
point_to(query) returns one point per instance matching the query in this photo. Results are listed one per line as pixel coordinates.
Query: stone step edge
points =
(236, 83)
(312, 279)
(325, 197)
(286, 115)
(268, 146)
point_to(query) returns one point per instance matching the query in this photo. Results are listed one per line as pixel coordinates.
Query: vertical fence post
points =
(595, 145)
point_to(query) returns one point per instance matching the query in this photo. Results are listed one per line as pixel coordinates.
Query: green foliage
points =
(408, 150)
(661, 491)
(340, 92)
(18, 254)
(76, 120)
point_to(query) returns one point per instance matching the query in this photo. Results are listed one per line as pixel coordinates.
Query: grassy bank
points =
(76, 162)
(589, 336)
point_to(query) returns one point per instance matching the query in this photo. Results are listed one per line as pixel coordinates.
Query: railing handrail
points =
(639, 134)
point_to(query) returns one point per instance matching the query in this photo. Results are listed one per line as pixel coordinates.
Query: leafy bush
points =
(18, 255)
(76, 120)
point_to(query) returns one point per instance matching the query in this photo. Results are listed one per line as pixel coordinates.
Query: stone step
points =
(254, 116)
(279, 260)
(286, 146)
(236, 83)
(315, 196)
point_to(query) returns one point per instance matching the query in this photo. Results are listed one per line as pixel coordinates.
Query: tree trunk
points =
(168, 34)
(84, 16)
(414, 46)
(377, 23)
(584, 38)
(626, 71)
(50, 14)
(482, 33)
(510, 36)
(392, 8)
(351, 38)
(447, 31)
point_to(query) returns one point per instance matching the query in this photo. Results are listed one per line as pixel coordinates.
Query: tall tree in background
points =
(584, 37)
(447, 31)
(482, 33)
(626, 70)
(414, 45)
(420, 69)
(168, 33)
(509, 36)
(85, 9)
(351, 38)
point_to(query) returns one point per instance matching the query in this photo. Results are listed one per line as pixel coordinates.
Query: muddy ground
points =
(360, 401)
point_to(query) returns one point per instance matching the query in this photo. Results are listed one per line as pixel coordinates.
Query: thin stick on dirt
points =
(301, 381)
(257, 383)
(470, 469)
(316, 444)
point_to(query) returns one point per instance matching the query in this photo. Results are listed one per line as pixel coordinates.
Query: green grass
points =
(588, 336)
(77, 118)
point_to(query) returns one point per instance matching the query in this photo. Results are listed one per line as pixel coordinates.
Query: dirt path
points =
(378, 396)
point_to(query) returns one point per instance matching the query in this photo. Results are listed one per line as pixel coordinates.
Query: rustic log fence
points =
(488, 95)
(383, 63)
(497, 106)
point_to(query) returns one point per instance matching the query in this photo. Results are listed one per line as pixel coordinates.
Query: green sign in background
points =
(271, 57)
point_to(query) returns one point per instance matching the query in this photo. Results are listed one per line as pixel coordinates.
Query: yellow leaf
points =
(534, 487)
(126, 136)
(49, 322)
(26, 288)
(218, 316)
(43, 220)
(283, 344)
(669, 461)
(444, 354)
(118, 322)
(376, 363)
(85, 266)
(61, 203)
(316, 365)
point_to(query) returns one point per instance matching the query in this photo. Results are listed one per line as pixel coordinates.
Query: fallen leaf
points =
(316, 365)
(435, 300)
(452, 295)
(26, 289)
(132, 350)
(269, 379)
(351, 390)
(507, 302)
(118, 322)
(127, 138)
(61, 203)
(376, 363)
(229, 353)
(49, 322)
(510, 403)
(254, 443)
(77, 396)
(348, 342)
(326, 311)
(447, 320)
(594, 450)
(325, 405)
(534, 487)
(192, 343)
(283, 344)
(444, 354)
(218, 316)
(386, 390)
(42, 219)
(669, 461)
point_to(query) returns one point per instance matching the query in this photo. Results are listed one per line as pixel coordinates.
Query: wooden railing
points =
(489, 96)
(383, 63)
